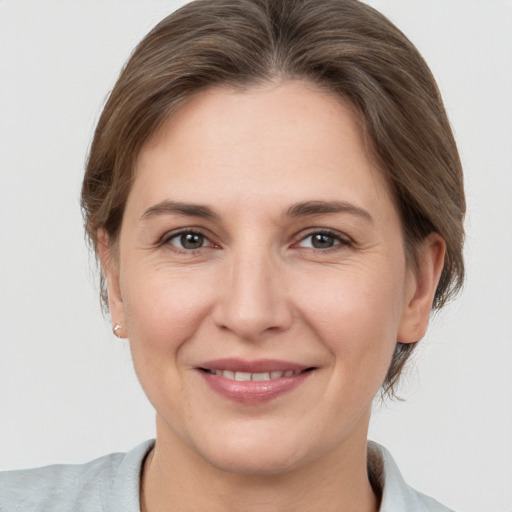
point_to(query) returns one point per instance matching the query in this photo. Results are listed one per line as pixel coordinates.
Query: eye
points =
(323, 240)
(188, 240)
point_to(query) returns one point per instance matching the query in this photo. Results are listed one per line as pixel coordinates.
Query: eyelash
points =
(167, 240)
(338, 240)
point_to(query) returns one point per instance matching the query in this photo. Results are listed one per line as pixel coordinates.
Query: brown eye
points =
(322, 240)
(189, 240)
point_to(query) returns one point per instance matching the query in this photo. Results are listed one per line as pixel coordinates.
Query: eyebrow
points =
(303, 209)
(323, 207)
(170, 207)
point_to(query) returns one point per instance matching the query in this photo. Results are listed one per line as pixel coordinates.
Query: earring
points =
(115, 329)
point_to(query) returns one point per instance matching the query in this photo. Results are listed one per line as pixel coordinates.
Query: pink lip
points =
(253, 392)
(260, 365)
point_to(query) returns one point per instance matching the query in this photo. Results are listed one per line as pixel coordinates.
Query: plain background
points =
(67, 389)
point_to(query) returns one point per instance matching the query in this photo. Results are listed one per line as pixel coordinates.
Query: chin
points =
(265, 464)
(255, 453)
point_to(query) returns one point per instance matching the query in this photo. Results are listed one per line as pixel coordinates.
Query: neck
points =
(176, 478)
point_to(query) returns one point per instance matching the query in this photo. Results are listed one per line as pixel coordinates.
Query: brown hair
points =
(342, 46)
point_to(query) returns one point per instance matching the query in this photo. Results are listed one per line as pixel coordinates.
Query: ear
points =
(110, 264)
(421, 287)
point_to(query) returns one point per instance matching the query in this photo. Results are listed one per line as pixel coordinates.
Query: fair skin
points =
(258, 229)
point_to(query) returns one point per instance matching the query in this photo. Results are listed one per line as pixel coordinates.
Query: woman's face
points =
(261, 279)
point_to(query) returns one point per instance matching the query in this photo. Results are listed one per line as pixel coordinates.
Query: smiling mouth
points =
(253, 383)
(241, 376)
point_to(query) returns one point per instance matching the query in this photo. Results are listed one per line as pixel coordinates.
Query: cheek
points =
(163, 308)
(356, 312)
(163, 311)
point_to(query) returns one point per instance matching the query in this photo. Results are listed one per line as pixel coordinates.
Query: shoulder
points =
(397, 496)
(94, 486)
(59, 487)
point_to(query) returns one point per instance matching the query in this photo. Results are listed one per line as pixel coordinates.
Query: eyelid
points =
(341, 238)
(167, 237)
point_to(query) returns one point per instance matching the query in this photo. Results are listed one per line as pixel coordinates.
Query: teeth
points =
(260, 376)
(246, 376)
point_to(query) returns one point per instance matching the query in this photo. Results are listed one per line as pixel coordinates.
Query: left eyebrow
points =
(323, 207)
(174, 207)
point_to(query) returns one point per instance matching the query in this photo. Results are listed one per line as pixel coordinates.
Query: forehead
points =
(287, 140)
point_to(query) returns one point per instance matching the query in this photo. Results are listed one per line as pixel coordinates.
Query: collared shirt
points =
(111, 484)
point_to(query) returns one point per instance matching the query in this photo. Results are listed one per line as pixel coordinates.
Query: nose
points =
(253, 301)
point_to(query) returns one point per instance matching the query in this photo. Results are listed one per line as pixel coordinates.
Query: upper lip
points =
(256, 366)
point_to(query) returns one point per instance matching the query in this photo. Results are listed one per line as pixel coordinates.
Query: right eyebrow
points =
(310, 208)
(175, 207)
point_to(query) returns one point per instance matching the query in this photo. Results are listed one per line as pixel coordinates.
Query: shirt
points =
(111, 484)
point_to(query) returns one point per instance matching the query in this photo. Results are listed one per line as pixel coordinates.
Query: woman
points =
(276, 199)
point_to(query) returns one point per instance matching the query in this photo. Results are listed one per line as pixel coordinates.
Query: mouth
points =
(253, 382)
(241, 376)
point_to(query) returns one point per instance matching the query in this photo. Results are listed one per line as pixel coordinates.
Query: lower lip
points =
(253, 392)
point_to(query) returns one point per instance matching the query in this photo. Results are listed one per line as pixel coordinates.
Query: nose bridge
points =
(253, 300)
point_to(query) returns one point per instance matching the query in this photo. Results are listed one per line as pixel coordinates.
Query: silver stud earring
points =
(115, 329)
